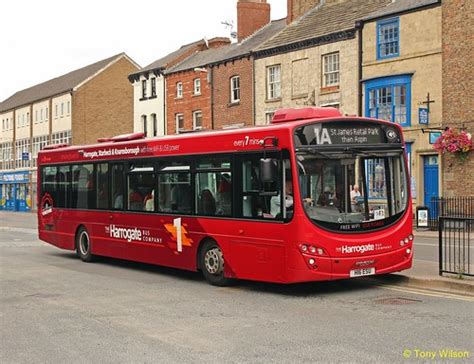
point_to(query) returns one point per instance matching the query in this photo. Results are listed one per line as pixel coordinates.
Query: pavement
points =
(422, 275)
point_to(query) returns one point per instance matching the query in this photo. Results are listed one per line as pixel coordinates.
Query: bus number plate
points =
(362, 272)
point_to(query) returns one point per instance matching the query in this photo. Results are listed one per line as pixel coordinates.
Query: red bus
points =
(312, 196)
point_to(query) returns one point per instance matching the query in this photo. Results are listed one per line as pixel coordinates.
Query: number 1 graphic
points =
(177, 225)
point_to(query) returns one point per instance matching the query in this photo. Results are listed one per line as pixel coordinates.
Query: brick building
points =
(224, 75)
(188, 90)
(149, 110)
(75, 108)
(457, 80)
(401, 65)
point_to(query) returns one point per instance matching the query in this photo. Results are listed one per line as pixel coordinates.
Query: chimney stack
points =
(251, 16)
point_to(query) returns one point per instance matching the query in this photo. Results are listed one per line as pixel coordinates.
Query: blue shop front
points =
(15, 191)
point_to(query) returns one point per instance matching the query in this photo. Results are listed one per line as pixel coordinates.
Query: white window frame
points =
(62, 109)
(178, 129)
(331, 69)
(195, 114)
(274, 82)
(56, 107)
(269, 117)
(179, 90)
(235, 89)
(197, 86)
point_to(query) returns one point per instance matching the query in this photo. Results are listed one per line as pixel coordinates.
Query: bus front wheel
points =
(211, 262)
(83, 245)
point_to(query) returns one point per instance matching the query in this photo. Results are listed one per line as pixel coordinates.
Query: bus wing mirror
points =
(268, 170)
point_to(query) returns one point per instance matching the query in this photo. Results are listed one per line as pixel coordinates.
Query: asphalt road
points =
(55, 308)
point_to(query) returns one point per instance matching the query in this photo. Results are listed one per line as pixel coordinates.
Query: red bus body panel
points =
(255, 250)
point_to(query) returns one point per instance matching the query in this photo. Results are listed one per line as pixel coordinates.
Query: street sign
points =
(25, 156)
(423, 115)
(434, 135)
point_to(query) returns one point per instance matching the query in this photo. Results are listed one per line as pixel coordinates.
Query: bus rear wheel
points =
(83, 245)
(211, 262)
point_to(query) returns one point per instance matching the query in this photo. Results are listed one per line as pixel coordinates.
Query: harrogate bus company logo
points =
(347, 249)
(124, 233)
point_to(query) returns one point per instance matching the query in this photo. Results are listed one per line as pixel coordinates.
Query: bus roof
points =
(206, 141)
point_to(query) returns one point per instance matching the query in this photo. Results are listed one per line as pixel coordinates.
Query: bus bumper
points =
(306, 268)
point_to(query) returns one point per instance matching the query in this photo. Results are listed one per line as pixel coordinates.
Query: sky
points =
(44, 39)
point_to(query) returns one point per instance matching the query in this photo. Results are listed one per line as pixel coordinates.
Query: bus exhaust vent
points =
(284, 115)
(122, 138)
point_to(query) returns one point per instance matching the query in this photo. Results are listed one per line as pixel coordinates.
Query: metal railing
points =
(449, 207)
(456, 254)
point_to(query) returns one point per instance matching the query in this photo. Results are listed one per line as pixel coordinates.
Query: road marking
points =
(424, 292)
(425, 244)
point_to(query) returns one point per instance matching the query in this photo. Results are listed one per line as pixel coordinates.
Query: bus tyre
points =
(211, 262)
(83, 245)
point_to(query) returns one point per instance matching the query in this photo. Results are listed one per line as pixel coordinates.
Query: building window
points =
(62, 137)
(69, 107)
(38, 144)
(6, 157)
(153, 87)
(62, 109)
(273, 82)
(331, 69)
(155, 125)
(197, 86)
(144, 124)
(197, 119)
(22, 146)
(269, 117)
(41, 115)
(389, 99)
(179, 122)
(143, 89)
(235, 89)
(56, 108)
(36, 116)
(388, 38)
(179, 89)
(46, 114)
(27, 119)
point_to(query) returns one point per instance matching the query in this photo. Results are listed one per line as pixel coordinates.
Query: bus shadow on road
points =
(306, 289)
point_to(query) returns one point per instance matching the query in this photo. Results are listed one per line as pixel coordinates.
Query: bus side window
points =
(174, 187)
(83, 189)
(117, 186)
(102, 184)
(48, 185)
(254, 203)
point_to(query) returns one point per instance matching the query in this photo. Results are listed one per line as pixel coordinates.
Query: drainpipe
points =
(165, 116)
(254, 122)
(211, 80)
(359, 26)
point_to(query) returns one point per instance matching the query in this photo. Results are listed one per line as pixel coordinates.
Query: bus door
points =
(258, 243)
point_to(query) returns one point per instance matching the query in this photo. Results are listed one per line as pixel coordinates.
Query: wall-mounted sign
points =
(434, 135)
(422, 217)
(25, 156)
(423, 115)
